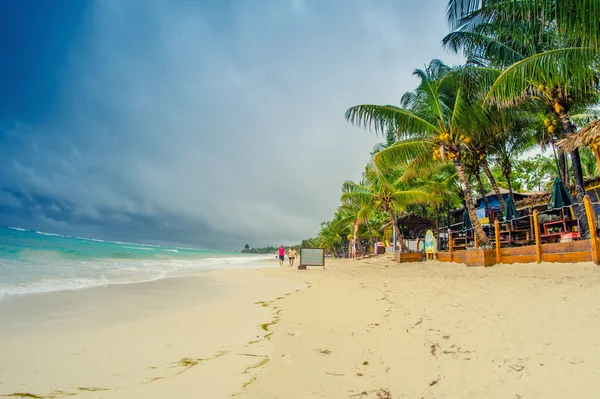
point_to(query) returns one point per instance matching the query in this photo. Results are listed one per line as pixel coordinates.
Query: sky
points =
(213, 123)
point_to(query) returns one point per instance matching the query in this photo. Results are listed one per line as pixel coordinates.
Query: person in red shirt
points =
(281, 255)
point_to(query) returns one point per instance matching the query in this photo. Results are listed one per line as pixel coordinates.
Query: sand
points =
(173, 338)
(376, 329)
(359, 329)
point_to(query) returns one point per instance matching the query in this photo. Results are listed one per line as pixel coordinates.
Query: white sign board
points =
(312, 257)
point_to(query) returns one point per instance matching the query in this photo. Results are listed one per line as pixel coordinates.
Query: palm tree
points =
(332, 234)
(434, 123)
(382, 191)
(577, 20)
(391, 137)
(513, 134)
(556, 66)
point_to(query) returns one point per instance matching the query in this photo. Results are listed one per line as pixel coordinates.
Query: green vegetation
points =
(531, 78)
(266, 250)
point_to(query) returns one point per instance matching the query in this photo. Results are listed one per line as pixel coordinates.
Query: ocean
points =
(35, 262)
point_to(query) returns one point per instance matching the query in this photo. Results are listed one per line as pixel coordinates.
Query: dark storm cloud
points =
(212, 126)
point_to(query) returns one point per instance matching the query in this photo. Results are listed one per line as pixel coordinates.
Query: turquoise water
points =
(34, 262)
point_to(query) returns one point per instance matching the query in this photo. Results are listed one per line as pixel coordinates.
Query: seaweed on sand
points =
(153, 379)
(187, 362)
(51, 395)
(257, 365)
(92, 389)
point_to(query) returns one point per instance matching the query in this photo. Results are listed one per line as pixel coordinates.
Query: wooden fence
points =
(579, 250)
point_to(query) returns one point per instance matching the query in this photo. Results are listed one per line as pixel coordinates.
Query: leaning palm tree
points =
(539, 57)
(434, 125)
(332, 235)
(383, 190)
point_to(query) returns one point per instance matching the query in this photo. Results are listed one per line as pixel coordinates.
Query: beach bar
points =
(548, 227)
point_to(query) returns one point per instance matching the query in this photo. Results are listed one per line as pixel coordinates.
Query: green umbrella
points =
(510, 211)
(466, 221)
(560, 195)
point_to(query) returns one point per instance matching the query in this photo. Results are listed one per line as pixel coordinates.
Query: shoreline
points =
(251, 264)
(141, 340)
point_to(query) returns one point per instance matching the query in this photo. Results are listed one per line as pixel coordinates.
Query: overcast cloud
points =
(212, 124)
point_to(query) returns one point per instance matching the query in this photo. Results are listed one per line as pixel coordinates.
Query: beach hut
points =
(589, 136)
(494, 204)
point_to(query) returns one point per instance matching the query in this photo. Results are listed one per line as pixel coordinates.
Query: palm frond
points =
(561, 67)
(382, 117)
(403, 153)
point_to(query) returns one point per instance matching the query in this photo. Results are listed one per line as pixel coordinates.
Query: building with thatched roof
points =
(411, 225)
(589, 136)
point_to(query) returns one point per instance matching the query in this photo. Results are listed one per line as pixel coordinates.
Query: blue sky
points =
(211, 123)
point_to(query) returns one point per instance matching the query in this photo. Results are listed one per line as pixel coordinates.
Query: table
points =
(564, 226)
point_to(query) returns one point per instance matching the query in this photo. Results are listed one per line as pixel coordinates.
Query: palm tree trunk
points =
(510, 187)
(447, 214)
(562, 167)
(369, 230)
(575, 159)
(398, 235)
(481, 236)
(506, 171)
(494, 183)
(482, 192)
(437, 226)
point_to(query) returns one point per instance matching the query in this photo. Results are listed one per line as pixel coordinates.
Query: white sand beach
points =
(358, 329)
(172, 338)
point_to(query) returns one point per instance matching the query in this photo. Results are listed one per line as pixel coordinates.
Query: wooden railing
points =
(541, 249)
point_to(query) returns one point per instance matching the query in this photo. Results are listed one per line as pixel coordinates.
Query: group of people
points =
(291, 253)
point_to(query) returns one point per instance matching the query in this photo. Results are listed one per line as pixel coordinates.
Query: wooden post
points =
(497, 231)
(531, 231)
(450, 245)
(476, 241)
(538, 244)
(593, 236)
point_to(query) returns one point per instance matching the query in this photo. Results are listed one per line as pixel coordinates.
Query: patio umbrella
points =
(466, 221)
(560, 195)
(510, 212)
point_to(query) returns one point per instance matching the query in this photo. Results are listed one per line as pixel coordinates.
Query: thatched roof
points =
(503, 192)
(538, 198)
(586, 136)
(534, 199)
(412, 221)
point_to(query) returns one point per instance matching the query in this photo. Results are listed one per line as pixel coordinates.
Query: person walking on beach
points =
(292, 255)
(281, 255)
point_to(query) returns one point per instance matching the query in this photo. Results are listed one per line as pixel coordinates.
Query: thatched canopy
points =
(534, 199)
(412, 221)
(589, 135)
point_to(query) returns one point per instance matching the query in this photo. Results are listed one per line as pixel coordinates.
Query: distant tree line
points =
(266, 250)
(309, 243)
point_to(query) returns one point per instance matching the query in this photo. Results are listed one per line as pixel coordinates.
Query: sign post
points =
(311, 257)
